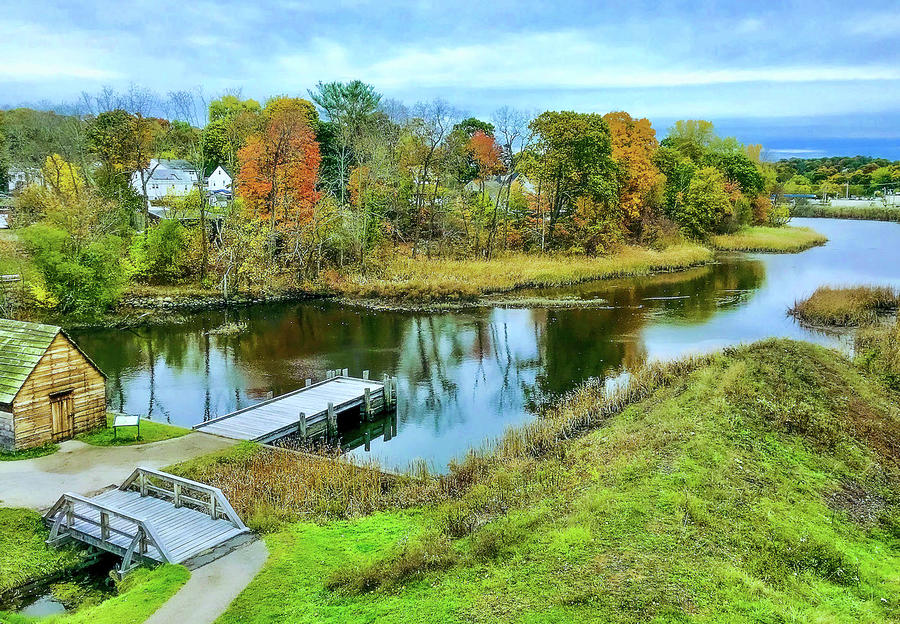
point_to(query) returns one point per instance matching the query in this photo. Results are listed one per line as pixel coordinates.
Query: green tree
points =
(574, 160)
(706, 204)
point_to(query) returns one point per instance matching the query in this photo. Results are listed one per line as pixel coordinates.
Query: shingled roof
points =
(22, 345)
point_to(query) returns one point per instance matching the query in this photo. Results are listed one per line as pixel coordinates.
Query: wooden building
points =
(49, 389)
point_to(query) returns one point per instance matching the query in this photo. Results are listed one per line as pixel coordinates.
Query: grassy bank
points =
(872, 213)
(151, 431)
(769, 239)
(24, 557)
(842, 307)
(428, 280)
(140, 594)
(31, 453)
(759, 484)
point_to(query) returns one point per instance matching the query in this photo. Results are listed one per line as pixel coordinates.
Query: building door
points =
(62, 412)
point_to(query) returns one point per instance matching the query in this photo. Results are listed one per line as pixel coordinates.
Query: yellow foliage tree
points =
(633, 145)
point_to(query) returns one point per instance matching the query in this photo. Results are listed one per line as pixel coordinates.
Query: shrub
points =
(160, 255)
(705, 205)
(80, 278)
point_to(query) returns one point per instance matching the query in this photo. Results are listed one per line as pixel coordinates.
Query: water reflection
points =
(467, 376)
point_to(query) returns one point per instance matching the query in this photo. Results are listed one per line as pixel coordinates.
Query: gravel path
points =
(81, 468)
(211, 588)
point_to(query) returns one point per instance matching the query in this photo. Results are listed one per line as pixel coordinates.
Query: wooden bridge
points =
(153, 517)
(309, 411)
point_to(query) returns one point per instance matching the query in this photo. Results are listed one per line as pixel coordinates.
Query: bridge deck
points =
(278, 417)
(185, 532)
(152, 517)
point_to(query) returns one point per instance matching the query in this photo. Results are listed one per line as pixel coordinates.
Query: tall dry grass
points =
(845, 307)
(428, 280)
(769, 239)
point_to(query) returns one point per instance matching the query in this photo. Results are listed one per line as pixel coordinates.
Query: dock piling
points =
(303, 426)
(332, 420)
(366, 375)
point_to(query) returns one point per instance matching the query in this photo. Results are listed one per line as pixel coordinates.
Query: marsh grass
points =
(769, 239)
(845, 306)
(877, 350)
(869, 212)
(269, 486)
(430, 279)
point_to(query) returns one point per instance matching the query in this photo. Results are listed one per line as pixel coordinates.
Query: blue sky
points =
(802, 75)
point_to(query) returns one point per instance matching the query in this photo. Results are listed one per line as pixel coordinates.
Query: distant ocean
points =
(777, 148)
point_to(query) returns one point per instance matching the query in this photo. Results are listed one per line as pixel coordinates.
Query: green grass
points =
(31, 453)
(141, 593)
(24, 557)
(151, 431)
(847, 306)
(759, 484)
(871, 212)
(429, 280)
(769, 239)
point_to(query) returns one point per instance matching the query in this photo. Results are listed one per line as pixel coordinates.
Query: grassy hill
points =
(759, 484)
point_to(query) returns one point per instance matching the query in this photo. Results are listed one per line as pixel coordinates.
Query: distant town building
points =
(18, 178)
(219, 180)
(167, 177)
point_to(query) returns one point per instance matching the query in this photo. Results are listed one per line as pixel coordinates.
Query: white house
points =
(20, 178)
(219, 180)
(167, 177)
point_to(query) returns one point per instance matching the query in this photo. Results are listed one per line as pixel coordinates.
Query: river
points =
(465, 376)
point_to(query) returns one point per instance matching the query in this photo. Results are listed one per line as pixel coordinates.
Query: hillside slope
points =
(756, 485)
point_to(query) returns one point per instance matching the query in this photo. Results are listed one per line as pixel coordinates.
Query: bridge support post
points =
(302, 427)
(332, 421)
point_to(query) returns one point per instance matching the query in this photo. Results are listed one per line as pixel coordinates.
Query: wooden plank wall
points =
(62, 368)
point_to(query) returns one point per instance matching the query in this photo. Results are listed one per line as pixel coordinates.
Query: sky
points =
(802, 77)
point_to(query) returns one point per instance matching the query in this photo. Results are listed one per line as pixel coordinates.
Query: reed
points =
(845, 306)
(871, 212)
(769, 240)
(433, 279)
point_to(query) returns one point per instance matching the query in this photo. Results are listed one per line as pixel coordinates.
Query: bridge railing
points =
(183, 492)
(66, 514)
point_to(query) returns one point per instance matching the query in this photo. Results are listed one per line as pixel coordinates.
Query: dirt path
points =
(82, 468)
(213, 587)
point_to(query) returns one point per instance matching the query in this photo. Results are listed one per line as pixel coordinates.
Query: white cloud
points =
(31, 53)
(564, 59)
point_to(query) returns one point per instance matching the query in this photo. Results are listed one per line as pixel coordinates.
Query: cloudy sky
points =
(804, 76)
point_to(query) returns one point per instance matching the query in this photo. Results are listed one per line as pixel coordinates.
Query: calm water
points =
(466, 376)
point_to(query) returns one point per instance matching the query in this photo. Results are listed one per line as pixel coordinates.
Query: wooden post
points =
(104, 525)
(212, 505)
(368, 439)
(366, 374)
(308, 383)
(345, 372)
(387, 391)
(394, 390)
(177, 494)
(302, 428)
(70, 514)
(142, 480)
(332, 420)
(367, 398)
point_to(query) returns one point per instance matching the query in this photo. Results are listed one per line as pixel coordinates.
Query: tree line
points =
(859, 176)
(344, 179)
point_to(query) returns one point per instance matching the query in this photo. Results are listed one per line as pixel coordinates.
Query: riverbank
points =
(785, 239)
(872, 212)
(756, 483)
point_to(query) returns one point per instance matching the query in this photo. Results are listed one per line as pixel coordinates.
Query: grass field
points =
(151, 431)
(38, 451)
(769, 239)
(847, 306)
(759, 484)
(428, 280)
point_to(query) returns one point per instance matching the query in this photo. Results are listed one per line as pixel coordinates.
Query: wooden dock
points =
(308, 411)
(153, 517)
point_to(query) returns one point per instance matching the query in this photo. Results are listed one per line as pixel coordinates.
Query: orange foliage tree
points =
(279, 166)
(633, 145)
(486, 153)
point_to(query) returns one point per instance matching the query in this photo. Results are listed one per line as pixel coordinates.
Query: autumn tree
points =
(279, 165)
(633, 147)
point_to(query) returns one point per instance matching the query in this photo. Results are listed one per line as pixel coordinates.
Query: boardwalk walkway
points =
(306, 411)
(153, 517)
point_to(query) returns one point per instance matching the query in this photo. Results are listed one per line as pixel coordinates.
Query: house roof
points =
(22, 345)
